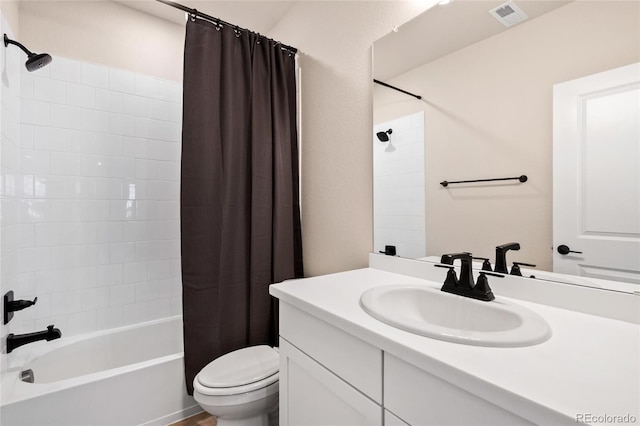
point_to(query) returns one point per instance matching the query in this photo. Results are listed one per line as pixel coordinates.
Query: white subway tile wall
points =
(398, 182)
(15, 188)
(90, 195)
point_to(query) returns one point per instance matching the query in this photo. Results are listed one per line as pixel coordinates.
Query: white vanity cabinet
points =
(327, 377)
(340, 366)
(420, 398)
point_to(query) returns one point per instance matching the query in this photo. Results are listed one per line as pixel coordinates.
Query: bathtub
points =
(125, 376)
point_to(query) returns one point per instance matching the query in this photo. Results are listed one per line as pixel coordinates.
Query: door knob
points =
(562, 249)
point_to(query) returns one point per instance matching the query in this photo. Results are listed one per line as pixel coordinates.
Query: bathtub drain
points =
(27, 376)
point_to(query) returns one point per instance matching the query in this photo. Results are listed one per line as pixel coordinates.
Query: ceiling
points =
(444, 29)
(256, 15)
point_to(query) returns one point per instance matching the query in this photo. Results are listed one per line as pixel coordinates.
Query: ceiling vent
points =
(508, 14)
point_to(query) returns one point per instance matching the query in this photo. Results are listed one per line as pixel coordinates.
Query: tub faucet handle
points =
(18, 305)
(11, 306)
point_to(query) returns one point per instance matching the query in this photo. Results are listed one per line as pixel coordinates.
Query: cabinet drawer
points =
(310, 395)
(350, 358)
(420, 398)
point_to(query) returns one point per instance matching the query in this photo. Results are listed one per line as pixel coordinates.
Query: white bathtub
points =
(126, 376)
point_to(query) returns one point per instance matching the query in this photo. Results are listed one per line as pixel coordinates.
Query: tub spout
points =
(15, 341)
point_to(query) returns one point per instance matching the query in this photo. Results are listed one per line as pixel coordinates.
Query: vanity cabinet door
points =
(353, 360)
(422, 399)
(310, 395)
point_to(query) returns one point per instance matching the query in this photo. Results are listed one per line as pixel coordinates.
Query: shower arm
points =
(8, 41)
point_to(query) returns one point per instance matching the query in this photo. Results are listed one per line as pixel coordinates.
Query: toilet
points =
(241, 387)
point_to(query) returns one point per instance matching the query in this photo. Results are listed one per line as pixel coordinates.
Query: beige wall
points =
(106, 33)
(10, 12)
(488, 113)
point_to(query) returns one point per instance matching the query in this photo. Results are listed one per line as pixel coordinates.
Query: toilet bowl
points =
(241, 387)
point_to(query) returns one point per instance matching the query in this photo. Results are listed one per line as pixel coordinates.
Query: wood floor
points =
(202, 419)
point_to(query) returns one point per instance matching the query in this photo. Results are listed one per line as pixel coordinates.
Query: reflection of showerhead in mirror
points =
(384, 136)
(35, 60)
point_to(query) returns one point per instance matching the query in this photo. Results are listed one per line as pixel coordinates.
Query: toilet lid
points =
(240, 367)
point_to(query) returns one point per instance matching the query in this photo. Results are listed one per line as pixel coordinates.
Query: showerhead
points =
(35, 60)
(38, 61)
(384, 136)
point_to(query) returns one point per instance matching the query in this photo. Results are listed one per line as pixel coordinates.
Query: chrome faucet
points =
(17, 340)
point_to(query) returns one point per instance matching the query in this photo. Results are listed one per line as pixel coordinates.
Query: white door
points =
(596, 175)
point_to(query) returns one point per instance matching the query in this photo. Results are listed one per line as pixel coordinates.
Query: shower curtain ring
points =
(193, 15)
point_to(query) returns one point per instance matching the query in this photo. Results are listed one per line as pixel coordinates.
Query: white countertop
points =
(590, 365)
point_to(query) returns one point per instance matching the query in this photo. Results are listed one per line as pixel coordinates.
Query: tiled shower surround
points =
(90, 195)
(398, 187)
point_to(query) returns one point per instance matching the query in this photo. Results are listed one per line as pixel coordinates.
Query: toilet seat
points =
(234, 390)
(240, 371)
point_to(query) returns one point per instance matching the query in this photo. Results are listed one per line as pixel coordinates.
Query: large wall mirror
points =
(487, 82)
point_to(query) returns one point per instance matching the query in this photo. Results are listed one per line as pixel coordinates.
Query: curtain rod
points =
(196, 12)
(392, 87)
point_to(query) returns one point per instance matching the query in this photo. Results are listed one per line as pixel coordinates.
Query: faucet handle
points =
(486, 263)
(452, 278)
(491, 274)
(482, 286)
(11, 305)
(18, 305)
(515, 269)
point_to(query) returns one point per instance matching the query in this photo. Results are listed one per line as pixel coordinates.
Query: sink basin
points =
(432, 313)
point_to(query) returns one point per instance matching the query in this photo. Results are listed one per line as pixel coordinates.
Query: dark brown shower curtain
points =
(240, 217)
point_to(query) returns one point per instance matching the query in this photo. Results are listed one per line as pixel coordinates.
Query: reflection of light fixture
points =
(443, 2)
